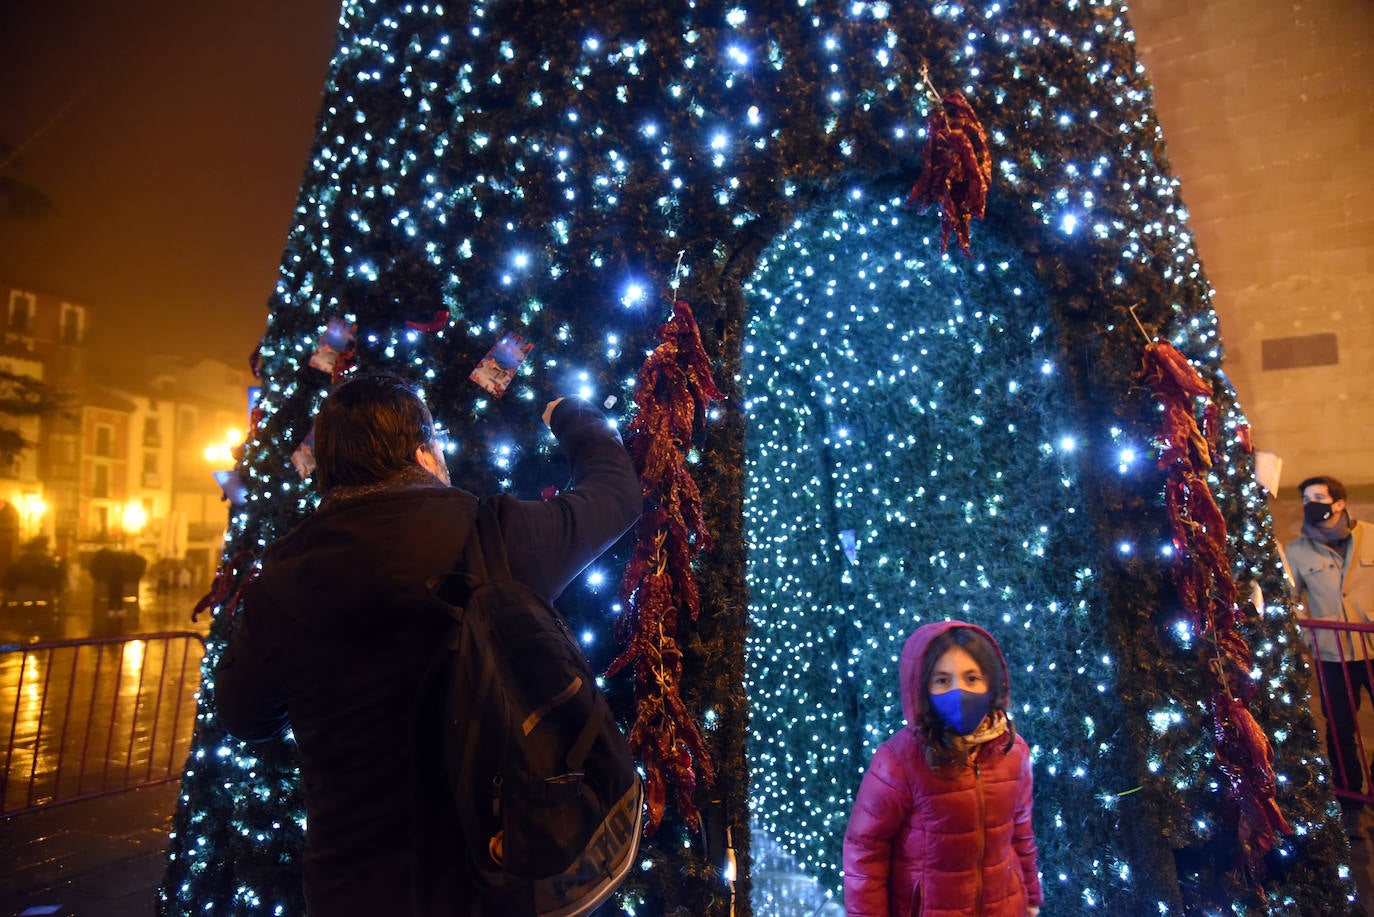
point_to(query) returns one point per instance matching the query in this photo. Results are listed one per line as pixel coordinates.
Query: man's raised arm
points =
(550, 541)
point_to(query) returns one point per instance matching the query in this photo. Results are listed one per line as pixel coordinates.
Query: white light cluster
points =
(876, 375)
(870, 362)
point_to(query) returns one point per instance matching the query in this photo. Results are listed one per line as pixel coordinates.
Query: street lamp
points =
(221, 455)
(34, 509)
(135, 517)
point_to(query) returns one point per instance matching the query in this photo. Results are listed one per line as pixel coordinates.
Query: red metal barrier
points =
(95, 716)
(1341, 685)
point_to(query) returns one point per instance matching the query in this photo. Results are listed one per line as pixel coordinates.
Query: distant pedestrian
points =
(942, 820)
(1332, 566)
(107, 572)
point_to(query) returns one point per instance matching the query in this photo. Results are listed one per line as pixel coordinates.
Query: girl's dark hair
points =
(367, 430)
(939, 737)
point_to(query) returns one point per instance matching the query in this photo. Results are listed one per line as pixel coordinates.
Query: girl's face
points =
(957, 669)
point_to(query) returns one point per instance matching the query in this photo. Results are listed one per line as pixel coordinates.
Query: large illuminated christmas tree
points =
(906, 434)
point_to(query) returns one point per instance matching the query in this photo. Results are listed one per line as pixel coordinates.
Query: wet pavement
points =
(98, 858)
(79, 614)
(103, 856)
(86, 707)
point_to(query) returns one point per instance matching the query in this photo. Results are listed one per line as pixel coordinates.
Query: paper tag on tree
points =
(233, 487)
(1268, 470)
(336, 340)
(497, 369)
(303, 459)
(850, 544)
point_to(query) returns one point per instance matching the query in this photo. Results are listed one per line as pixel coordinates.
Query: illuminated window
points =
(73, 323)
(22, 307)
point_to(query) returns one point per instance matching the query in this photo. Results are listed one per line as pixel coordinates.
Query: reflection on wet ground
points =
(98, 711)
(79, 614)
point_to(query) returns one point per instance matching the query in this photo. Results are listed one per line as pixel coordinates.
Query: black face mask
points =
(1316, 513)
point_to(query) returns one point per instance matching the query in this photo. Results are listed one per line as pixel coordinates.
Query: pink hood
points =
(915, 650)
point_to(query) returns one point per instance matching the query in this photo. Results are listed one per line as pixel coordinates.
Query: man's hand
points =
(548, 410)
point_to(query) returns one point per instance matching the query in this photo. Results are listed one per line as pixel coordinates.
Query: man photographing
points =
(333, 637)
(1332, 566)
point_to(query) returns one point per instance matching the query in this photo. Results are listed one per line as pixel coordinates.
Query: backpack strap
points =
(471, 568)
(493, 552)
(577, 755)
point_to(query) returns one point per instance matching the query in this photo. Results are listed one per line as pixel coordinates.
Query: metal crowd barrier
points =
(91, 717)
(1340, 688)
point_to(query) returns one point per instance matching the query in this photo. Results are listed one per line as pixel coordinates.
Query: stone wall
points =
(1268, 115)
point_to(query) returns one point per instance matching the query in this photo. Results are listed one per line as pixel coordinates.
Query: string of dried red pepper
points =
(956, 168)
(1202, 578)
(672, 392)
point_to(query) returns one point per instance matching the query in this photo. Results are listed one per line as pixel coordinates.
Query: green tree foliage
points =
(21, 397)
(548, 168)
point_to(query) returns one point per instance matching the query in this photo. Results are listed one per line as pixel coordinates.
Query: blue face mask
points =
(962, 710)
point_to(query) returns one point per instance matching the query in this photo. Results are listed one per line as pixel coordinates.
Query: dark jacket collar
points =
(412, 476)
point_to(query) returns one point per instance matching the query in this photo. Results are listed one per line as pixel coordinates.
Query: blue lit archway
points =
(911, 457)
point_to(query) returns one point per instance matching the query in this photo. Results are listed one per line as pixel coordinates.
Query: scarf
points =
(992, 727)
(1336, 533)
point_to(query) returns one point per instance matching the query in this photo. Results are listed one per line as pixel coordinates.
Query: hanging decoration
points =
(437, 322)
(497, 369)
(336, 351)
(303, 459)
(233, 487)
(227, 587)
(672, 391)
(956, 166)
(1202, 577)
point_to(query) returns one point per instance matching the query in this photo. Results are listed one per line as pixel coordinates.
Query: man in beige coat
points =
(1332, 566)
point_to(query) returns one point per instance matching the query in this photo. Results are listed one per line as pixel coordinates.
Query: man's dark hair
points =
(368, 430)
(1335, 488)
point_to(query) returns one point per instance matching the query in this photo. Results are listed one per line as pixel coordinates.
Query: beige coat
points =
(1334, 591)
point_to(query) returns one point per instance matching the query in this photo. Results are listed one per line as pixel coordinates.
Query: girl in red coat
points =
(942, 823)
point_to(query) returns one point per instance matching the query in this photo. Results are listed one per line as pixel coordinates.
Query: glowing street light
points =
(34, 508)
(135, 517)
(221, 455)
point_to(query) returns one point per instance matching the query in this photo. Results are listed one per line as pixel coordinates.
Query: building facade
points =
(23, 506)
(44, 339)
(129, 463)
(1268, 109)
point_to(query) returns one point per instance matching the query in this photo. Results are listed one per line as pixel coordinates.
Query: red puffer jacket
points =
(926, 843)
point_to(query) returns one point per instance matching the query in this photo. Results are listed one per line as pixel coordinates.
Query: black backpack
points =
(544, 789)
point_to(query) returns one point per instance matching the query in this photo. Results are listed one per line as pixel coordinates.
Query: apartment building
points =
(43, 337)
(130, 463)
